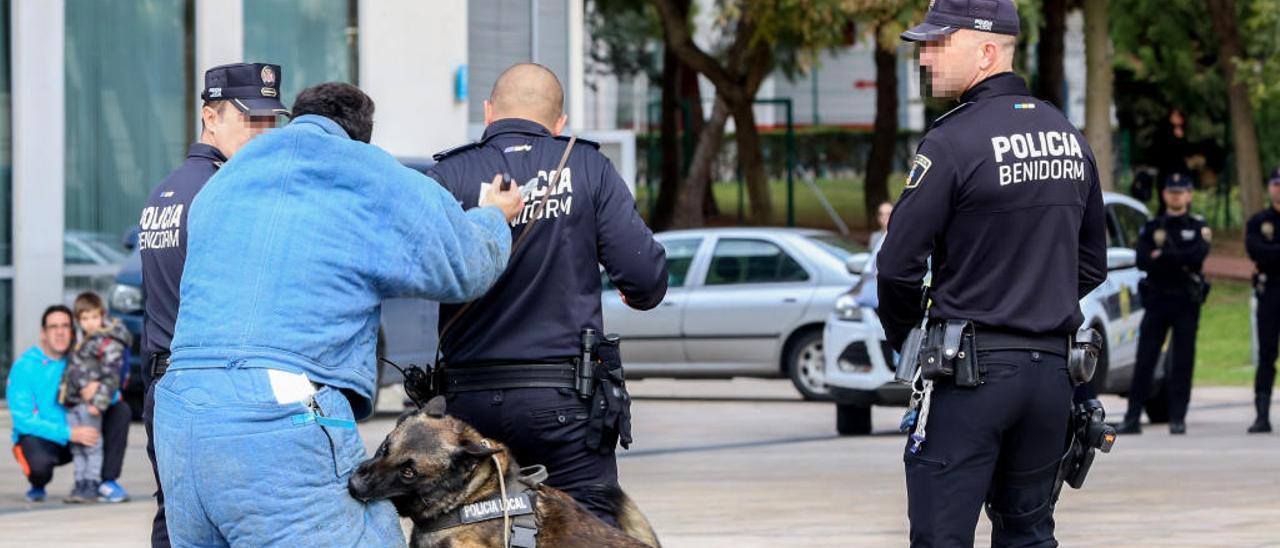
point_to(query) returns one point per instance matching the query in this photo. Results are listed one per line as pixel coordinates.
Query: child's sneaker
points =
(35, 494)
(110, 491)
(84, 491)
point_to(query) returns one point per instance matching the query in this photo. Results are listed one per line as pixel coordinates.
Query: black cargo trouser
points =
(546, 426)
(159, 528)
(1164, 313)
(1268, 319)
(999, 443)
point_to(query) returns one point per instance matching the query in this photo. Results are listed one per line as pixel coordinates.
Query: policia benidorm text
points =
(508, 359)
(1003, 196)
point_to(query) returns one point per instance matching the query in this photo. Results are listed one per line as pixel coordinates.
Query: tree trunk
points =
(751, 161)
(693, 191)
(669, 147)
(1244, 136)
(674, 71)
(691, 96)
(1051, 83)
(884, 136)
(1100, 88)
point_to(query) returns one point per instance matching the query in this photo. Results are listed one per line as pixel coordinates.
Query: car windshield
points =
(106, 246)
(837, 246)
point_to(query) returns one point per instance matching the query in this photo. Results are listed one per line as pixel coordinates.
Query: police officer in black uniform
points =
(1171, 250)
(1003, 195)
(1264, 248)
(508, 359)
(240, 102)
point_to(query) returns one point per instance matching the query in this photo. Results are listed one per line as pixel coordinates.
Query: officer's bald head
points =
(529, 91)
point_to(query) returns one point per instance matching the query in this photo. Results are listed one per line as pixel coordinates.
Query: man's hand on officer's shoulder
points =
(509, 201)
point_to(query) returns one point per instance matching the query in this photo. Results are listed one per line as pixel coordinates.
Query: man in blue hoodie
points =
(40, 431)
(292, 246)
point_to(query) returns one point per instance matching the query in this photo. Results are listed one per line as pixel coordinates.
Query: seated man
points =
(40, 431)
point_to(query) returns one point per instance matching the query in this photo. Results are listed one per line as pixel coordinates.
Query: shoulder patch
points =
(1197, 217)
(1206, 234)
(455, 150)
(919, 167)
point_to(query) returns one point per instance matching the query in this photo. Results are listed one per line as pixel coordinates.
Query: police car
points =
(859, 364)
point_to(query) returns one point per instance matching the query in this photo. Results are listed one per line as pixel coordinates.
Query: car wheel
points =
(853, 420)
(805, 365)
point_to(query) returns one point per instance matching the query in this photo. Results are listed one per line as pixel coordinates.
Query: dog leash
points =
(506, 505)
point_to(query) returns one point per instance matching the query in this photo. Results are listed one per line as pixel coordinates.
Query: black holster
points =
(609, 422)
(948, 351)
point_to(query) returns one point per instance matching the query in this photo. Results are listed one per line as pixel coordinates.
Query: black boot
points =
(1132, 423)
(1262, 424)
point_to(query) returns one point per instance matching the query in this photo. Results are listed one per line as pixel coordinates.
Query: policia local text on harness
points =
(949, 348)
(596, 375)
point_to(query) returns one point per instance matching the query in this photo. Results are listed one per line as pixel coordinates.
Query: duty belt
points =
(991, 339)
(159, 364)
(501, 377)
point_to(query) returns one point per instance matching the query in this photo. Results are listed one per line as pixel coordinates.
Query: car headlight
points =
(847, 308)
(126, 299)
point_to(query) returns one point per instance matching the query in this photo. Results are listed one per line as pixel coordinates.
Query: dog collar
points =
(521, 505)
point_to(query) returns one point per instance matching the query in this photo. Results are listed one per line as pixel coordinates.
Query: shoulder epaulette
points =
(949, 113)
(581, 141)
(450, 152)
(1197, 217)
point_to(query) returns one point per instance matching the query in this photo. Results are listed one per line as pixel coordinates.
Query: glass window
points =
(1130, 221)
(309, 39)
(745, 261)
(128, 115)
(837, 246)
(680, 255)
(6, 148)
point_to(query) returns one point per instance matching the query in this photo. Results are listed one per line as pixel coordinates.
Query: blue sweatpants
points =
(240, 469)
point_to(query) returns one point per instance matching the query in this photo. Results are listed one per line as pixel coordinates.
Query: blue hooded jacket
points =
(295, 242)
(32, 391)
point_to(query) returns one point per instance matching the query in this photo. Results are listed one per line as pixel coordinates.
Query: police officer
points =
(240, 102)
(1171, 250)
(1264, 249)
(509, 356)
(1003, 195)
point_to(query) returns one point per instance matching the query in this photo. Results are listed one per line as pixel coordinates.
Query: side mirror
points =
(130, 240)
(1119, 258)
(857, 263)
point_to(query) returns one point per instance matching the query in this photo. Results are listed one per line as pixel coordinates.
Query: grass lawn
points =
(845, 195)
(1223, 346)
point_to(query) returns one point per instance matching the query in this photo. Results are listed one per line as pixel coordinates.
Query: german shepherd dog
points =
(432, 466)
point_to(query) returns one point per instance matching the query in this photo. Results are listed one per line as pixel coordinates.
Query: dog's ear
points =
(479, 450)
(404, 416)
(435, 407)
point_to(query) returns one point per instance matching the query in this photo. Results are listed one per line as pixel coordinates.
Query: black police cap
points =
(948, 16)
(1178, 182)
(254, 88)
(1274, 179)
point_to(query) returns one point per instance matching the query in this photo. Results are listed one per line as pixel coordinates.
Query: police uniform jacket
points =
(1264, 248)
(1183, 241)
(551, 290)
(1003, 194)
(162, 243)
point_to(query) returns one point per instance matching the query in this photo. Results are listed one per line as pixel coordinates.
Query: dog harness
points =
(520, 507)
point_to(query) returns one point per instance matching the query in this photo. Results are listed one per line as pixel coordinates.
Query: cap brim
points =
(260, 106)
(927, 32)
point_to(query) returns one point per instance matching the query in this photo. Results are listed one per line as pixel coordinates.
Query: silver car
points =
(741, 302)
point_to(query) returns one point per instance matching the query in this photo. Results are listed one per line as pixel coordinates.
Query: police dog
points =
(432, 465)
